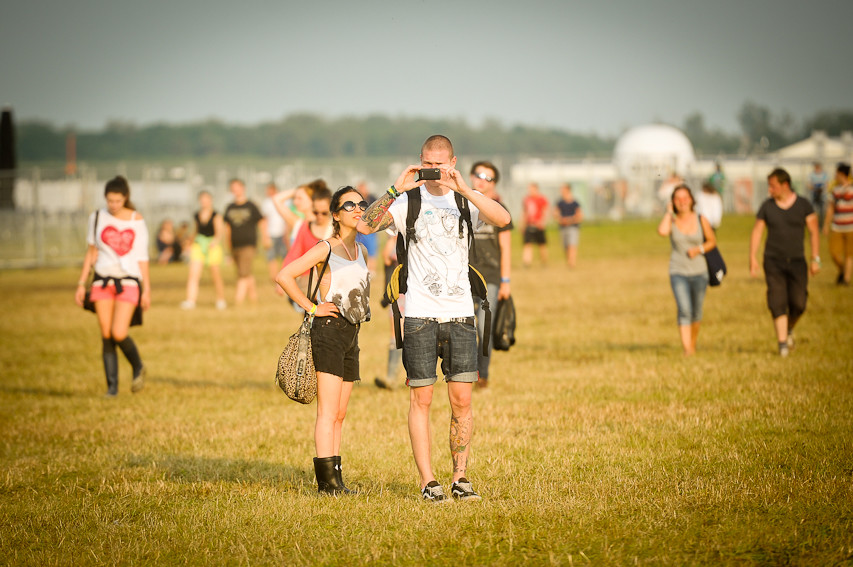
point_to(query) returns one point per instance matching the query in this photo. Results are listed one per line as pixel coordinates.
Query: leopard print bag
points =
(295, 374)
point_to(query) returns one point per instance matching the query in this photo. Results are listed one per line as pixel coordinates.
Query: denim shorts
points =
(425, 340)
(334, 344)
(689, 294)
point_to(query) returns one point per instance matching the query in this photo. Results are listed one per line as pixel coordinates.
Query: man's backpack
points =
(398, 283)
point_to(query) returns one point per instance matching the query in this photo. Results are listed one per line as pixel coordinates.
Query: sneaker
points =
(382, 384)
(784, 351)
(138, 381)
(790, 341)
(462, 490)
(221, 305)
(187, 305)
(433, 492)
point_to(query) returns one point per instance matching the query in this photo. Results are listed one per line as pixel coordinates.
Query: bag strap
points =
(702, 228)
(313, 294)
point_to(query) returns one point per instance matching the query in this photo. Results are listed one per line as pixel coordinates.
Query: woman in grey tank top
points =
(688, 272)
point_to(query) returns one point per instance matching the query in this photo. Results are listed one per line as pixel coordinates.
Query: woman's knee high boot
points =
(339, 474)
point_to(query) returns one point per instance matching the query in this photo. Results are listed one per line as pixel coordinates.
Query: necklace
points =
(351, 259)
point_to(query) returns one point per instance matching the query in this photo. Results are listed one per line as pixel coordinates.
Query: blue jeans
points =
(425, 340)
(483, 361)
(689, 294)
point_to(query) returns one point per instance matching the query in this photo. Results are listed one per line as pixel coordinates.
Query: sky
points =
(585, 66)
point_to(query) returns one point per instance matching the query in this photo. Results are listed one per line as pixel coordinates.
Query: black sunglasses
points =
(349, 206)
(484, 177)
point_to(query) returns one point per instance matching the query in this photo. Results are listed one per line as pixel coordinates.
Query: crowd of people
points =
(449, 224)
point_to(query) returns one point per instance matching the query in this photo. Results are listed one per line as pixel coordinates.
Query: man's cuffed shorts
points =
(425, 340)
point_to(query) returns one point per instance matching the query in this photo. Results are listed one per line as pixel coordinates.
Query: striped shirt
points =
(842, 208)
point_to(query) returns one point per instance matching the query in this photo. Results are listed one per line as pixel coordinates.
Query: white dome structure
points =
(653, 147)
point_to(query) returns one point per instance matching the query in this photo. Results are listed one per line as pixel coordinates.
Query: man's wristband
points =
(504, 280)
(393, 192)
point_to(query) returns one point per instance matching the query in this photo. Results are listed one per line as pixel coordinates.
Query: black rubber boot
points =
(327, 476)
(339, 475)
(110, 366)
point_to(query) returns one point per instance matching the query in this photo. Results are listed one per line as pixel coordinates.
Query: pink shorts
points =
(129, 293)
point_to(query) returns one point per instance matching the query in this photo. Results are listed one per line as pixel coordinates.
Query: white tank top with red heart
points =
(121, 244)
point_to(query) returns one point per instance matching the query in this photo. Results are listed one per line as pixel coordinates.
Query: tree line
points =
(312, 135)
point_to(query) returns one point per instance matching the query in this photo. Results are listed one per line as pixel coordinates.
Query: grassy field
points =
(597, 443)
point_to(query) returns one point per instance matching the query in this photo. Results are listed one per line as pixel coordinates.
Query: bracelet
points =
(504, 280)
(393, 192)
(816, 259)
(702, 249)
(81, 282)
(313, 309)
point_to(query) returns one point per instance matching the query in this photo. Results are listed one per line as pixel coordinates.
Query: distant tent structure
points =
(7, 160)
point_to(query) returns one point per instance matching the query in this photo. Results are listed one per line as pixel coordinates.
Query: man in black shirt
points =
(786, 215)
(242, 219)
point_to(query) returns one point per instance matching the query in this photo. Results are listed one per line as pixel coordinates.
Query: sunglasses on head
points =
(349, 206)
(484, 177)
(322, 213)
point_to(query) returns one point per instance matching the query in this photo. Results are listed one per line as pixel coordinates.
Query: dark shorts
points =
(425, 340)
(334, 342)
(533, 235)
(787, 286)
(243, 257)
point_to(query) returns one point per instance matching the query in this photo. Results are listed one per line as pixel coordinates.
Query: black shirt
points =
(243, 220)
(786, 228)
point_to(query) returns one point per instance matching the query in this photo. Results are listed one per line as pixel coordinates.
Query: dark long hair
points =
(119, 184)
(336, 203)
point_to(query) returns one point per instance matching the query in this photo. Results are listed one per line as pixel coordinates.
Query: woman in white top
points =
(345, 304)
(118, 254)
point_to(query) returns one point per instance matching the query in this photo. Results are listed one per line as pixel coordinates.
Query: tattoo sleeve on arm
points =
(376, 212)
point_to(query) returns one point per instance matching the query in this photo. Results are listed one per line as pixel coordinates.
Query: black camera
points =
(432, 174)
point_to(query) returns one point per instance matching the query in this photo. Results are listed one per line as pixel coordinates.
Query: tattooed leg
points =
(460, 442)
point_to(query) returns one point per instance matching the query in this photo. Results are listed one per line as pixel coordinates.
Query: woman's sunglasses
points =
(349, 206)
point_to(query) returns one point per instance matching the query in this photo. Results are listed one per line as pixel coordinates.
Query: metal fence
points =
(48, 225)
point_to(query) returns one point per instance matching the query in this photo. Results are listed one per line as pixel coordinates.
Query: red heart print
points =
(121, 242)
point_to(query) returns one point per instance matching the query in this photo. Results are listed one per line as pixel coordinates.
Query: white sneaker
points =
(221, 305)
(187, 305)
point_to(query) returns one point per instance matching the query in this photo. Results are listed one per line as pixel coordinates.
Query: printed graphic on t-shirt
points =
(447, 271)
(239, 216)
(120, 241)
(356, 306)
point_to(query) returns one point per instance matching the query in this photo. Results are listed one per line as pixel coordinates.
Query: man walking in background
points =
(569, 217)
(242, 219)
(535, 207)
(491, 256)
(785, 215)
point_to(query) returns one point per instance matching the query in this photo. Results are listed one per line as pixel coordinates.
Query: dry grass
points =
(598, 442)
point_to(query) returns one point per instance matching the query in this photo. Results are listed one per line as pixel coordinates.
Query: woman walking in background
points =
(344, 305)
(206, 250)
(118, 254)
(688, 272)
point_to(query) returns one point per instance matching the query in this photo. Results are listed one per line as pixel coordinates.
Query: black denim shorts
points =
(334, 342)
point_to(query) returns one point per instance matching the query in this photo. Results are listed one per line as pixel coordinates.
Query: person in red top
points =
(312, 232)
(535, 208)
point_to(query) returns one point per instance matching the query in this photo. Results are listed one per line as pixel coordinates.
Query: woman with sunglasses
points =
(342, 306)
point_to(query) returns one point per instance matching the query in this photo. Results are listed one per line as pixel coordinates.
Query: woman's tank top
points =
(679, 263)
(349, 288)
(205, 229)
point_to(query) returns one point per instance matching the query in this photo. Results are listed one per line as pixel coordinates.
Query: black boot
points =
(339, 474)
(110, 366)
(327, 476)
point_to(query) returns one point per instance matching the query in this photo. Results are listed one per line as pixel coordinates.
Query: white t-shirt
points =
(275, 223)
(710, 206)
(121, 244)
(438, 283)
(349, 287)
